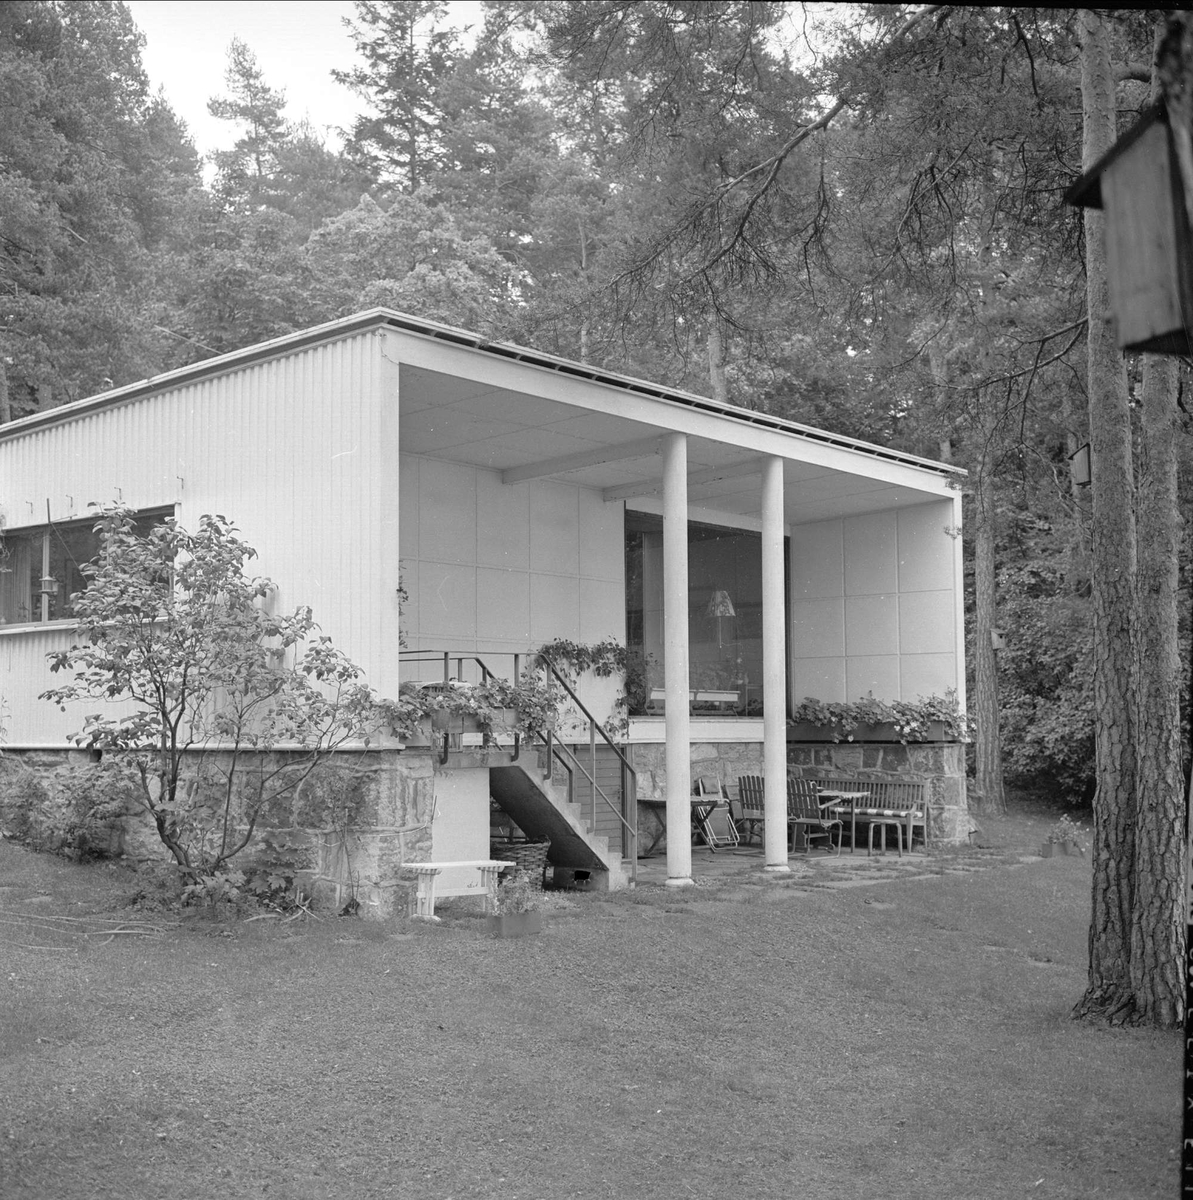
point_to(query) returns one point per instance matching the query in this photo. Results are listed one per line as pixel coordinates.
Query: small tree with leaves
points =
(205, 684)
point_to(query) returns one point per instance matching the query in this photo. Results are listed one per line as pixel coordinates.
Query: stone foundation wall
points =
(342, 834)
(940, 765)
(717, 762)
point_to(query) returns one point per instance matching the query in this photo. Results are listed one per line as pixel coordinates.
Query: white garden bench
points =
(422, 906)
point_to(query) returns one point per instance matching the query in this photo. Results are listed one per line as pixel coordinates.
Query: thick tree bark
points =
(1113, 578)
(987, 794)
(716, 360)
(1157, 919)
(988, 742)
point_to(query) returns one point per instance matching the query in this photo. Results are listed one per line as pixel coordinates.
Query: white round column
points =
(675, 678)
(774, 667)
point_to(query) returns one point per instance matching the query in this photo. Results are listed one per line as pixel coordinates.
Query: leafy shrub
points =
(170, 624)
(1046, 691)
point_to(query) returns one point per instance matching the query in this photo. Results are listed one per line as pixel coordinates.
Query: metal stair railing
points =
(563, 754)
(557, 751)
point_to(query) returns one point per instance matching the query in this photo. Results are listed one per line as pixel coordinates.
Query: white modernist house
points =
(517, 498)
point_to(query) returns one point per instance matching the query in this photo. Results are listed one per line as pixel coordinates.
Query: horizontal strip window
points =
(41, 567)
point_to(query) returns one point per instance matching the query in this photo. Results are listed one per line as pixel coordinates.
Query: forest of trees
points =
(850, 216)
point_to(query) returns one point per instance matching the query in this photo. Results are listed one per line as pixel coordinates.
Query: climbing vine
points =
(605, 659)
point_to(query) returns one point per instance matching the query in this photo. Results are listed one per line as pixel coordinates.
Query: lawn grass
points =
(752, 1037)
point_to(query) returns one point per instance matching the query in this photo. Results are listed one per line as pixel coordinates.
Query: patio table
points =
(837, 800)
(702, 808)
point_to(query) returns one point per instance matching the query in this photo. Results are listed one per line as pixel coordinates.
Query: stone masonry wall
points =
(939, 765)
(343, 833)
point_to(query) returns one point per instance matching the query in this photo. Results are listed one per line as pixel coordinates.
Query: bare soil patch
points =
(751, 1037)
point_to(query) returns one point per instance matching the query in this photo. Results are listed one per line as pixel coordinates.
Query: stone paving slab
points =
(823, 871)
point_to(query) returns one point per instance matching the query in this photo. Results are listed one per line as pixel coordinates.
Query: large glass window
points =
(41, 568)
(724, 614)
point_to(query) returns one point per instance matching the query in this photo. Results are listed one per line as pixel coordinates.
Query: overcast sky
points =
(297, 44)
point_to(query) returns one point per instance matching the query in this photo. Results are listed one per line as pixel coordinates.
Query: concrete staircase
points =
(542, 811)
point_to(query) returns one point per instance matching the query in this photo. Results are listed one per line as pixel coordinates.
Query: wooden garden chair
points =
(750, 813)
(804, 812)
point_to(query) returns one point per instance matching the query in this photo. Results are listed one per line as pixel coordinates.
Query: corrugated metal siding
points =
(299, 451)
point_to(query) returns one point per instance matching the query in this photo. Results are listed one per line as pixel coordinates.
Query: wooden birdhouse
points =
(1149, 255)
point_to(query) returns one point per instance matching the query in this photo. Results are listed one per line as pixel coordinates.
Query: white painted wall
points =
(299, 451)
(460, 828)
(875, 605)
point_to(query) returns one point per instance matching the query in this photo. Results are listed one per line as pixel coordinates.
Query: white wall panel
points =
(502, 523)
(871, 624)
(502, 605)
(525, 563)
(818, 628)
(447, 603)
(554, 529)
(447, 513)
(602, 610)
(822, 678)
(925, 546)
(926, 623)
(927, 674)
(871, 554)
(554, 607)
(602, 525)
(818, 560)
(874, 673)
(875, 605)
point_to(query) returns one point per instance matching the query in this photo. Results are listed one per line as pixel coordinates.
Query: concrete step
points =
(543, 812)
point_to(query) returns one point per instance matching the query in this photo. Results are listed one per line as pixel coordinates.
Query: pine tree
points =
(407, 56)
(247, 174)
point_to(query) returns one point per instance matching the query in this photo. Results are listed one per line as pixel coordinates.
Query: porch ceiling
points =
(467, 421)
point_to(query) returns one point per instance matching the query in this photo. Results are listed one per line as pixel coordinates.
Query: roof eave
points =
(388, 318)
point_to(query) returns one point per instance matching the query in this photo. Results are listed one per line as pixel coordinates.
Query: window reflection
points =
(724, 614)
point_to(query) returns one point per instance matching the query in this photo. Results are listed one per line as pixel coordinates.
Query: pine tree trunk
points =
(716, 361)
(1157, 925)
(1113, 578)
(584, 348)
(988, 742)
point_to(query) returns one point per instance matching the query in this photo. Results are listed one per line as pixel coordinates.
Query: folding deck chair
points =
(702, 825)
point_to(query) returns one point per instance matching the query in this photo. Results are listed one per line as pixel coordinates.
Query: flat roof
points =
(417, 326)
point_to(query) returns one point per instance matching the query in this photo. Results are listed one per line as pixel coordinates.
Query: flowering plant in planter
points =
(516, 895)
(912, 720)
(495, 706)
(406, 716)
(1067, 832)
(534, 703)
(605, 659)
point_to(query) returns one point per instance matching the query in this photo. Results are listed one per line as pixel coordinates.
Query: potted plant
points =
(407, 717)
(928, 719)
(1065, 837)
(525, 706)
(515, 910)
